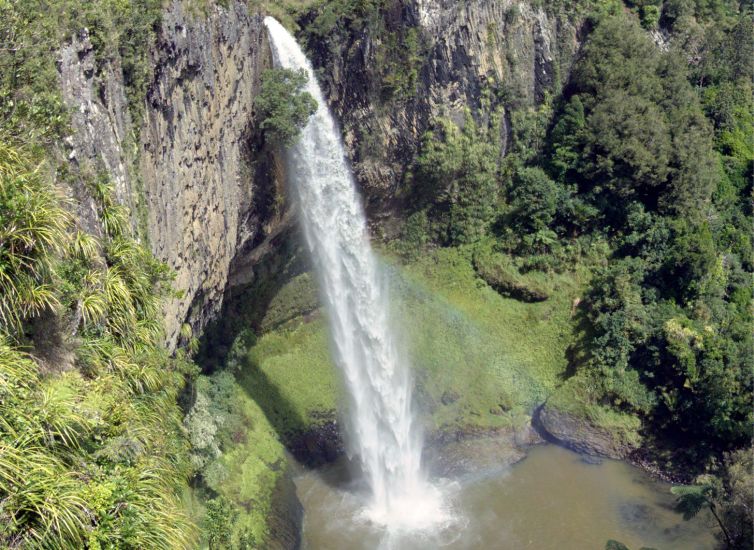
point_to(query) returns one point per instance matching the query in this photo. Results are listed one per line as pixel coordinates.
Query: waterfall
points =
(382, 430)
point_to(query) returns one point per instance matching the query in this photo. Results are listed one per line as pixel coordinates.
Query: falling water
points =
(382, 431)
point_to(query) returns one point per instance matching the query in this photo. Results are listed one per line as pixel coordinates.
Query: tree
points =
(284, 106)
(705, 493)
(628, 146)
(534, 200)
(567, 136)
(456, 173)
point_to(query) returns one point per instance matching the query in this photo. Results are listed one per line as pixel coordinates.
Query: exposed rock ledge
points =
(579, 435)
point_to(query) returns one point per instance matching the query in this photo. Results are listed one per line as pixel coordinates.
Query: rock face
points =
(205, 194)
(101, 126)
(200, 191)
(579, 435)
(188, 178)
(474, 49)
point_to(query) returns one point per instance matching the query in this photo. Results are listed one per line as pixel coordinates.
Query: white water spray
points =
(383, 431)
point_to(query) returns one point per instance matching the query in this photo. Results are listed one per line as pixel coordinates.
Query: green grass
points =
(290, 374)
(496, 353)
(248, 467)
(297, 297)
(480, 360)
(252, 469)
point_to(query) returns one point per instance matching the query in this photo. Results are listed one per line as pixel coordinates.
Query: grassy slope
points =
(247, 471)
(474, 351)
(481, 361)
(253, 467)
(498, 354)
(290, 374)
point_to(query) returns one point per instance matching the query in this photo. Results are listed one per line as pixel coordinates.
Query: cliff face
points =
(188, 178)
(101, 126)
(507, 50)
(201, 188)
(196, 147)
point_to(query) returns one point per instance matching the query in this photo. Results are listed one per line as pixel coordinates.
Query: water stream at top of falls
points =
(382, 430)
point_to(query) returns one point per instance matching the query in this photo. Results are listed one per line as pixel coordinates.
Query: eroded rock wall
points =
(205, 193)
(196, 143)
(101, 127)
(194, 174)
(470, 49)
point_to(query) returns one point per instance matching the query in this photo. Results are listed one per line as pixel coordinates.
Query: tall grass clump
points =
(92, 448)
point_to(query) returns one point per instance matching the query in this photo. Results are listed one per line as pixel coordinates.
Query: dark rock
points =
(467, 453)
(321, 444)
(200, 179)
(517, 290)
(500, 409)
(465, 47)
(579, 435)
(501, 275)
(449, 397)
(591, 460)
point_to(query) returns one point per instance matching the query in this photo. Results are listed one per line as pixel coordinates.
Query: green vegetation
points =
(728, 498)
(237, 455)
(284, 106)
(638, 176)
(481, 360)
(33, 230)
(643, 180)
(671, 313)
(91, 447)
(290, 374)
(31, 33)
(455, 178)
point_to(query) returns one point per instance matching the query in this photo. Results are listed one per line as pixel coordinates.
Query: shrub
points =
(32, 231)
(498, 271)
(284, 106)
(457, 173)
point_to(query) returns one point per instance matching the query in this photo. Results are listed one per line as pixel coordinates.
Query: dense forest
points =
(637, 169)
(642, 169)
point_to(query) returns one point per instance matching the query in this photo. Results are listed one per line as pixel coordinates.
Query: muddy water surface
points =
(553, 499)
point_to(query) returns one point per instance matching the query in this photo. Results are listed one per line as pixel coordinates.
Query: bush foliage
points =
(284, 106)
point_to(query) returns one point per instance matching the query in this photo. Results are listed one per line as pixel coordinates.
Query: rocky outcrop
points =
(201, 190)
(195, 178)
(101, 126)
(505, 50)
(579, 435)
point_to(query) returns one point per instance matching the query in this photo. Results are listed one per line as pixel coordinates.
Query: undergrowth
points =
(92, 452)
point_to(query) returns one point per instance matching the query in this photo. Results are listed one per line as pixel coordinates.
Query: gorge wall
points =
(202, 188)
(186, 171)
(508, 52)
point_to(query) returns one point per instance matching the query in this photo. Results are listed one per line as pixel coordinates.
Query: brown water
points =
(551, 500)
